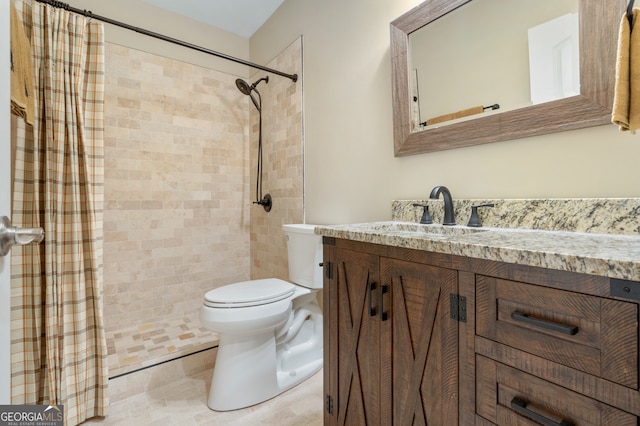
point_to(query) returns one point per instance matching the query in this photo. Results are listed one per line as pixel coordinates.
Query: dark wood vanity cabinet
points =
(390, 342)
(413, 337)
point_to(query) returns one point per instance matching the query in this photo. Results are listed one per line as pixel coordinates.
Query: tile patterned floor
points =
(144, 345)
(184, 402)
(174, 389)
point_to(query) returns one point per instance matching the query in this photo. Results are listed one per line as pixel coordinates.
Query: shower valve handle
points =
(266, 202)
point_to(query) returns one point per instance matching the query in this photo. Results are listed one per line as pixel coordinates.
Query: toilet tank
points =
(304, 254)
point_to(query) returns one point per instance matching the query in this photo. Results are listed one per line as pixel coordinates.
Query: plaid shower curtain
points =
(59, 353)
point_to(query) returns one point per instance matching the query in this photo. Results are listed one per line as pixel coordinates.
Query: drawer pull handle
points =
(372, 310)
(519, 405)
(562, 328)
(383, 290)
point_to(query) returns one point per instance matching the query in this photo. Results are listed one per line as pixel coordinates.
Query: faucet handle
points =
(474, 220)
(426, 217)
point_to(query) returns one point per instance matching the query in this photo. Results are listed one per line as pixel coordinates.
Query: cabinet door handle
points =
(519, 405)
(561, 328)
(372, 310)
(383, 290)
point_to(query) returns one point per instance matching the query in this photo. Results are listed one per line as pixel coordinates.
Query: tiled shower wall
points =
(180, 177)
(176, 214)
(282, 123)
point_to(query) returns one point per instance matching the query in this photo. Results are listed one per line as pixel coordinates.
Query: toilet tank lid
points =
(301, 228)
(254, 292)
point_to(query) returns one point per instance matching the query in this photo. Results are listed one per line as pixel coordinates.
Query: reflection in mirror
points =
(535, 110)
(527, 53)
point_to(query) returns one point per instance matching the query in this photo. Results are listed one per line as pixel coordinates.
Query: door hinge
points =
(458, 307)
(328, 270)
(328, 401)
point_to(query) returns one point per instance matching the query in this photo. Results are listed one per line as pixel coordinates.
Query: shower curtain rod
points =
(89, 14)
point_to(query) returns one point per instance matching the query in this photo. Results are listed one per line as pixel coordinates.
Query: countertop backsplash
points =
(619, 216)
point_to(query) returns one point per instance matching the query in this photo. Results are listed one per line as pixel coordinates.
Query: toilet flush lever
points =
(11, 235)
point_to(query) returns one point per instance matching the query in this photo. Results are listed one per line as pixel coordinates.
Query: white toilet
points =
(270, 330)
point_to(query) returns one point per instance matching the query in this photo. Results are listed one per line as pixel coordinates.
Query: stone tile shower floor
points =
(141, 346)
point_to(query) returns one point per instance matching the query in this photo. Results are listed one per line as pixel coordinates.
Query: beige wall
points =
(149, 17)
(351, 173)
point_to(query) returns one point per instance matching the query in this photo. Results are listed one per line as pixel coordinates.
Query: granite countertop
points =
(610, 255)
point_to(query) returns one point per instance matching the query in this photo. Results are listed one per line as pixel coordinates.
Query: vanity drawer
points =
(592, 334)
(507, 396)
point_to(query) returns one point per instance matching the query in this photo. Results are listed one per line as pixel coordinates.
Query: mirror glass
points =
(495, 56)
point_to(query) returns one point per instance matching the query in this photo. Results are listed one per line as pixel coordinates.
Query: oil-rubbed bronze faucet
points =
(449, 216)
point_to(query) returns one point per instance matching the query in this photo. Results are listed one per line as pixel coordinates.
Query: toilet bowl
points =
(270, 329)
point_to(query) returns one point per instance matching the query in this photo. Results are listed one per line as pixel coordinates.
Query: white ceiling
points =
(241, 17)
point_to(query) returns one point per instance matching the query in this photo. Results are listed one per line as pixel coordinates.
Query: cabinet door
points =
(352, 359)
(424, 343)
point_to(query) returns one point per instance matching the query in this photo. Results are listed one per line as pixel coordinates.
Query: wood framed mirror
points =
(599, 22)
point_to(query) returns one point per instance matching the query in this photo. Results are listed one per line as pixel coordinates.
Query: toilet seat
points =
(249, 293)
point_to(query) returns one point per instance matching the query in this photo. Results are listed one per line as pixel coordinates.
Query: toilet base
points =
(251, 369)
(243, 372)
